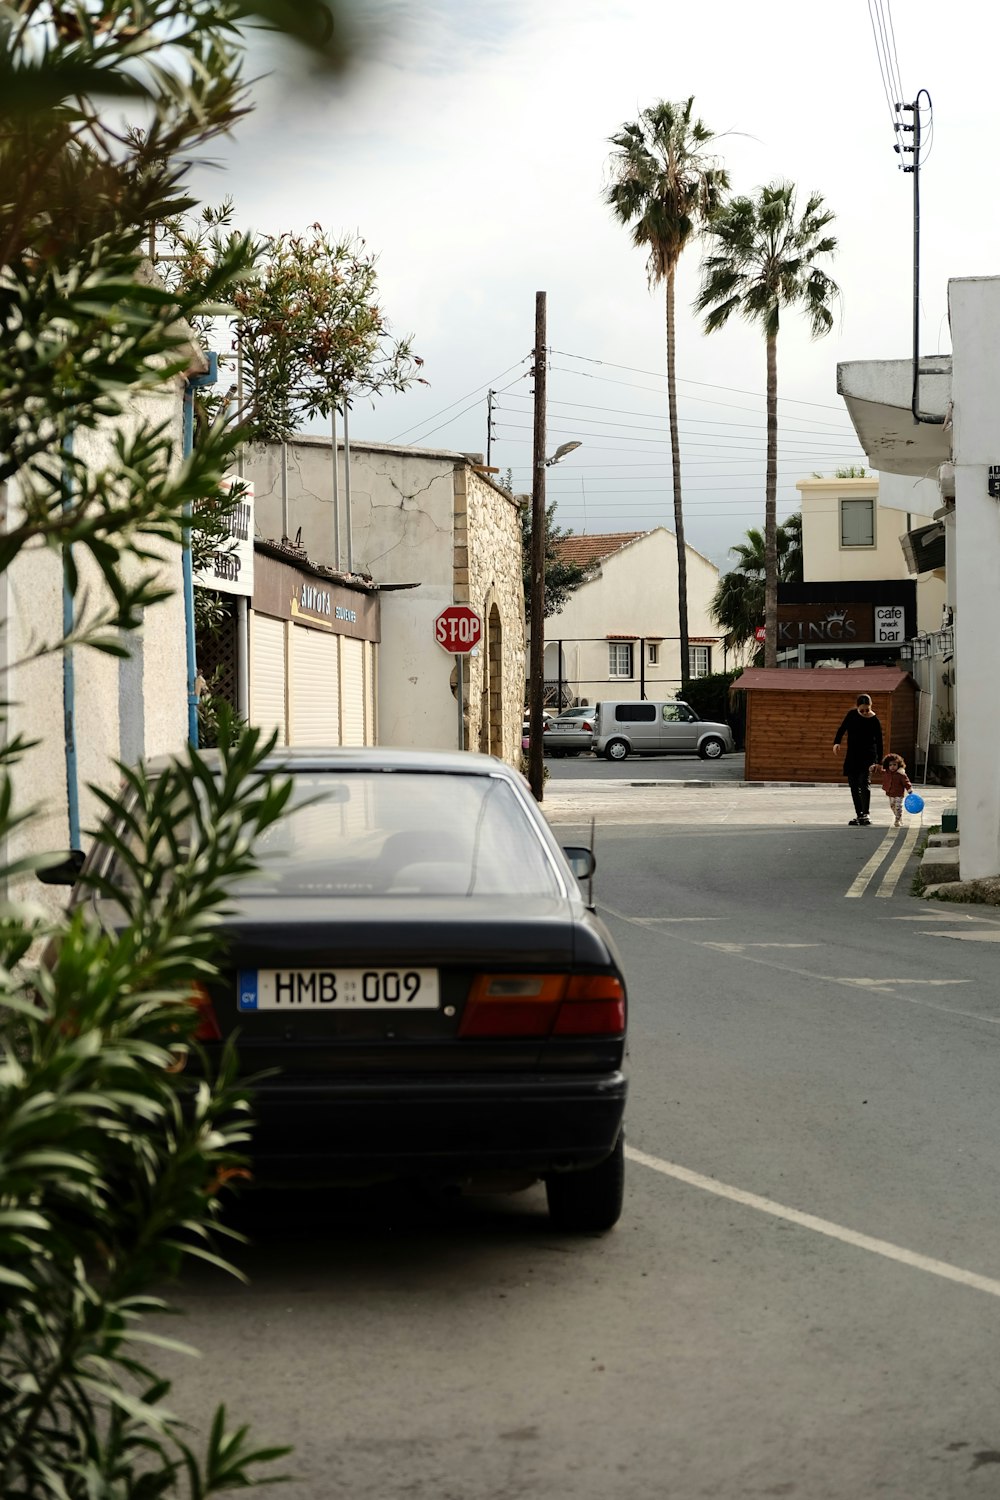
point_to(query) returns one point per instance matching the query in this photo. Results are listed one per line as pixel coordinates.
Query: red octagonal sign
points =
(458, 629)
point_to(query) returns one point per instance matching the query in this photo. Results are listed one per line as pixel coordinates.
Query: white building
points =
(618, 631)
(942, 424)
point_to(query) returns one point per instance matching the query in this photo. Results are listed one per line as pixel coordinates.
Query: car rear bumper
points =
(433, 1127)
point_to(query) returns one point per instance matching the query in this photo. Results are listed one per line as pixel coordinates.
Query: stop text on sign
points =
(458, 629)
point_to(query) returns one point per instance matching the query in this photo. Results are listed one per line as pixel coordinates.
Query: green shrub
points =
(113, 1158)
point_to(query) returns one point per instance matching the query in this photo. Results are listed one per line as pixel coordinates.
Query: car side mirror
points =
(65, 872)
(581, 860)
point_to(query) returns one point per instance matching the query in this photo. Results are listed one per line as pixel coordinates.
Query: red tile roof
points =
(588, 551)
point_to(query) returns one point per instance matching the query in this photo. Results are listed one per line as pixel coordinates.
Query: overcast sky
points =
(470, 151)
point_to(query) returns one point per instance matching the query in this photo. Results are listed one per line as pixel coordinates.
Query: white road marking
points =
(868, 984)
(742, 947)
(942, 916)
(978, 936)
(645, 920)
(895, 870)
(826, 1227)
(865, 876)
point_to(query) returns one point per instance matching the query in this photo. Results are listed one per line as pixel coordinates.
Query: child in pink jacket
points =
(895, 784)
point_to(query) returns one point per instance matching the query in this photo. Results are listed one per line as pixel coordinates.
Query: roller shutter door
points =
(353, 690)
(314, 697)
(371, 663)
(267, 676)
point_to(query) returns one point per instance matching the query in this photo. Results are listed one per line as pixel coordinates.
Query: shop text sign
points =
(889, 626)
(230, 569)
(458, 629)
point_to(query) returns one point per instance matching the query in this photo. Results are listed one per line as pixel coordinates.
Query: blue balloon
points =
(913, 803)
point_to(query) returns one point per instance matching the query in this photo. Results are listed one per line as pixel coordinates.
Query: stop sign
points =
(458, 628)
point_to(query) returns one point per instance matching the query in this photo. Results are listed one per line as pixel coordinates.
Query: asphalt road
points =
(803, 1297)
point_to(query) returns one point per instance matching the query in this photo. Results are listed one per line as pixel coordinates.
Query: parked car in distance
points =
(417, 984)
(571, 732)
(526, 726)
(657, 727)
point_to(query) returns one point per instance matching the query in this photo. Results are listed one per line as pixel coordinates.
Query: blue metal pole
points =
(210, 376)
(69, 677)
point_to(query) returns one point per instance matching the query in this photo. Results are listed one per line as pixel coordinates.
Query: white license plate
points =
(337, 989)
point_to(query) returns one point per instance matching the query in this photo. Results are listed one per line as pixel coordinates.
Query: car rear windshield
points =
(405, 833)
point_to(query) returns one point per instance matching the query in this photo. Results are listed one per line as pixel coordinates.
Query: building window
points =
(857, 522)
(699, 661)
(653, 654)
(619, 658)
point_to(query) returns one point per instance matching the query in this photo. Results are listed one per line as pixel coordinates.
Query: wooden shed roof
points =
(821, 679)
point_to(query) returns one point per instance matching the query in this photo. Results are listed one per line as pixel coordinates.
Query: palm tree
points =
(738, 602)
(762, 261)
(665, 186)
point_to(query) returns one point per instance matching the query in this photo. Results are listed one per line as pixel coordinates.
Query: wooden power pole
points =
(536, 668)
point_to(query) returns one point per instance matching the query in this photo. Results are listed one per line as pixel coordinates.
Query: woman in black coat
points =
(864, 747)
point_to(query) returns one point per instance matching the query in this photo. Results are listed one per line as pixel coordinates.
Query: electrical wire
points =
(882, 66)
(684, 396)
(825, 428)
(707, 385)
(803, 448)
(484, 387)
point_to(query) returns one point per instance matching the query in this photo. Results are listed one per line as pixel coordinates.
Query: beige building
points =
(874, 532)
(853, 530)
(617, 633)
(426, 528)
(85, 709)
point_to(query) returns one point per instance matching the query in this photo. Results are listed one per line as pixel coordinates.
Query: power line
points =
(742, 445)
(705, 384)
(684, 396)
(883, 63)
(477, 391)
(824, 427)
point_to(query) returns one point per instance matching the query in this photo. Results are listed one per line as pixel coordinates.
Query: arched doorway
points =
(491, 720)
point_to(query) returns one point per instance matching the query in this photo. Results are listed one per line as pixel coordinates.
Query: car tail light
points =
(588, 728)
(540, 1005)
(207, 1029)
(594, 1005)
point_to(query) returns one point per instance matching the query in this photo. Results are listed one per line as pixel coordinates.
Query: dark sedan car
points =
(417, 964)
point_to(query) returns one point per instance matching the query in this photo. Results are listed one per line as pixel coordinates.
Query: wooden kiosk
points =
(792, 715)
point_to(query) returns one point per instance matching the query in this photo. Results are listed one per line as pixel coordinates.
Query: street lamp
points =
(560, 453)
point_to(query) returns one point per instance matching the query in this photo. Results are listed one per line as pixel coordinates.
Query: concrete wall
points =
(124, 709)
(632, 594)
(422, 518)
(974, 307)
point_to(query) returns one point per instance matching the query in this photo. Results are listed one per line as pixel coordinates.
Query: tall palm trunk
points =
(771, 509)
(675, 457)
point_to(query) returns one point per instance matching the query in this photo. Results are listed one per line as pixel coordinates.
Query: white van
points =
(656, 727)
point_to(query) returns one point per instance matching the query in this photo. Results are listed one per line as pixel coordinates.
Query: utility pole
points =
(536, 671)
(489, 426)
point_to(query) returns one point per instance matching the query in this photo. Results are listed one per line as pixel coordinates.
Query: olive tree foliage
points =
(307, 330)
(115, 1146)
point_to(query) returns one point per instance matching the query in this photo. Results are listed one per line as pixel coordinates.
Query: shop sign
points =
(230, 569)
(824, 624)
(889, 625)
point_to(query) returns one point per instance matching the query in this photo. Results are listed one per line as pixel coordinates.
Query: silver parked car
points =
(572, 732)
(644, 727)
